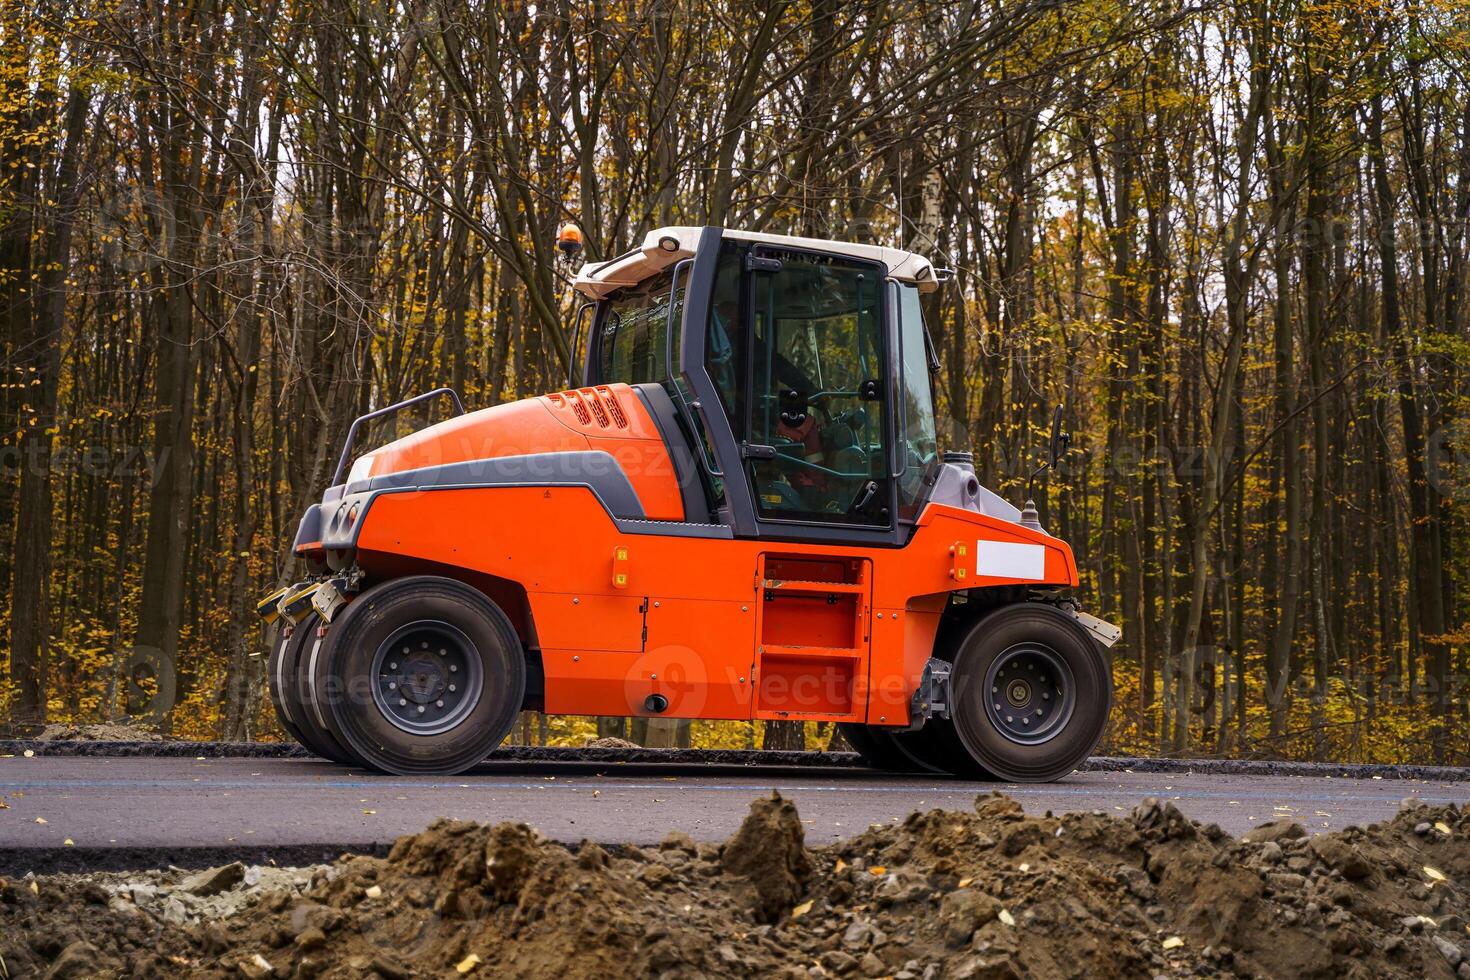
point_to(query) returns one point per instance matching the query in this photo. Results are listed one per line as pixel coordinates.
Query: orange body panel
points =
(724, 628)
(609, 418)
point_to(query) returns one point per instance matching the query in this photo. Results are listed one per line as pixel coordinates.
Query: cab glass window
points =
(633, 330)
(817, 391)
(918, 444)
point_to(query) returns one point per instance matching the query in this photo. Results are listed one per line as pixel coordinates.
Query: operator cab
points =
(796, 371)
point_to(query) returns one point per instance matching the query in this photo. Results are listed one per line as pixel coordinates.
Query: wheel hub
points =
(1029, 693)
(426, 677)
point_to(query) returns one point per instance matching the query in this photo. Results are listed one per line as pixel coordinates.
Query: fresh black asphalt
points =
(82, 811)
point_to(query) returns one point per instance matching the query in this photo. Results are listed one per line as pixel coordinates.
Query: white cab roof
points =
(662, 247)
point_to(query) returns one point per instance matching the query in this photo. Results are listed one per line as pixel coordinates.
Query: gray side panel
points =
(590, 468)
(674, 529)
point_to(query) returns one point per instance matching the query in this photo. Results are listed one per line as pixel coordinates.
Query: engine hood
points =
(610, 419)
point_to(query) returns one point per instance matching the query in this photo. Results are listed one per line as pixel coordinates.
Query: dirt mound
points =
(98, 733)
(947, 895)
(610, 742)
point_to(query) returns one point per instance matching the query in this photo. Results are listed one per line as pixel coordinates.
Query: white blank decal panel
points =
(1006, 559)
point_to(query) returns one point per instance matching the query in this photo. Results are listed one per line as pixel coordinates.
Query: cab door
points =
(817, 437)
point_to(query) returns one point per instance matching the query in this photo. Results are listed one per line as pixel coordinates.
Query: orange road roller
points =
(742, 512)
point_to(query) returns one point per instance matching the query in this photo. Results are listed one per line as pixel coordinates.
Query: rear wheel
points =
(421, 675)
(305, 714)
(1031, 696)
(275, 683)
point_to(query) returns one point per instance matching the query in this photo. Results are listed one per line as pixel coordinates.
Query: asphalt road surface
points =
(208, 807)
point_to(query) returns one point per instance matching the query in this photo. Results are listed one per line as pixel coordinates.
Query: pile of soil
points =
(98, 733)
(985, 894)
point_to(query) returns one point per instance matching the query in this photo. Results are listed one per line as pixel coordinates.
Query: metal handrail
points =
(389, 410)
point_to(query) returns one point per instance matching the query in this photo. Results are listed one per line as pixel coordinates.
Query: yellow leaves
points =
(878, 869)
(801, 909)
(467, 964)
(1173, 942)
(1434, 875)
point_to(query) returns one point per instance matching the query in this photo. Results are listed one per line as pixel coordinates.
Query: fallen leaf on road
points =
(1433, 874)
(1443, 828)
(840, 867)
(1173, 942)
(468, 963)
(40, 820)
(374, 891)
(801, 909)
(370, 812)
(878, 869)
(30, 754)
(68, 843)
(1006, 918)
(966, 882)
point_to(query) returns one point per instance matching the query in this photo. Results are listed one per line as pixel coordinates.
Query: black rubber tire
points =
(275, 682)
(885, 748)
(296, 662)
(978, 746)
(342, 676)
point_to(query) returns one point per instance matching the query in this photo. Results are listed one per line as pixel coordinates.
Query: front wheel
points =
(423, 676)
(1031, 693)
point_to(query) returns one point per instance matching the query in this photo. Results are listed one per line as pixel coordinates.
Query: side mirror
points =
(1060, 440)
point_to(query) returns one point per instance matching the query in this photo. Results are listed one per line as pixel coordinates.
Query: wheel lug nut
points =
(402, 702)
(451, 688)
(394, 666)
(1045, 695)
(438, 704)
(392, 685)
(422, 709)
(452, 668)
